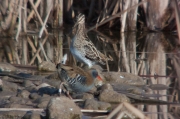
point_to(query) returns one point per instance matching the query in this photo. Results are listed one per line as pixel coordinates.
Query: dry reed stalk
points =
(24, 51)
(16, 54)
(6, 24)
(33, 48)
(131, 47)
(41, 22)
(32, 12)
(59, 47)
(134, 110)
(132, 16)
(115, 16)
(129, 108)
(45, 21)
(114, 12)
(123, 16)
(19, 20)
(176, 64)
(177, 16)
(37, 52)
(24, 16)
(9, 54)
(13, 8)
(123, 49)
(44, 53)
(21, 109)
(110, 9)
(60, 13)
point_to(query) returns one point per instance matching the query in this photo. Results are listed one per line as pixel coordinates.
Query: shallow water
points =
(154, 56)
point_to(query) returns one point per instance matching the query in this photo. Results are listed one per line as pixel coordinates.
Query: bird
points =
(82, 48)
(76, 79)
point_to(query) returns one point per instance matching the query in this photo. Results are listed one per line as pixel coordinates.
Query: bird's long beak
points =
(99, 77)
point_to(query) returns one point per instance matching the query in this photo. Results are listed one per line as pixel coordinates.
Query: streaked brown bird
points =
(82, 48)
(76, 79)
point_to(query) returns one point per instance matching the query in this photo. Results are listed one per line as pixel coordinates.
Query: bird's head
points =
(94, 74)
(80, 19)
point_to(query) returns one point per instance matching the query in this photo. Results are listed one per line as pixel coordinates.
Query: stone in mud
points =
(123, 78)
(34, 96)
(9, 86)
(42, 101)
(32, 115)
(83, 96)
(16, 99)
(23, 94)
(63, 107)
(47, 66)
(96, 105)
(12, 114)
(6, 67)
(107, 94)
(112, 97)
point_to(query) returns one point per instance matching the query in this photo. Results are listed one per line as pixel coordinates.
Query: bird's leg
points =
(61, 88)
(67, 93)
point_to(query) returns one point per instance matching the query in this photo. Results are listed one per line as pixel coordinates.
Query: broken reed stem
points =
(42, 49)
(25, 16)
(44, 24)
(177, 17)
(19, 21)
(33, 48)
(41, 22)
(32, 12)
(115, 111)
(114, 12)
(39, 49)
(115, 16)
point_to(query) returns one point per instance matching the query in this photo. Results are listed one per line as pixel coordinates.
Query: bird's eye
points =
(94, 73)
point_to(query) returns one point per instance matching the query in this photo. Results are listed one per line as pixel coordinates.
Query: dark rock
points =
(63, 107)
(48, 90)
(96, 105)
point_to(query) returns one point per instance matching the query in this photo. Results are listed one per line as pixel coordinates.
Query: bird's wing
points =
(92, 53)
